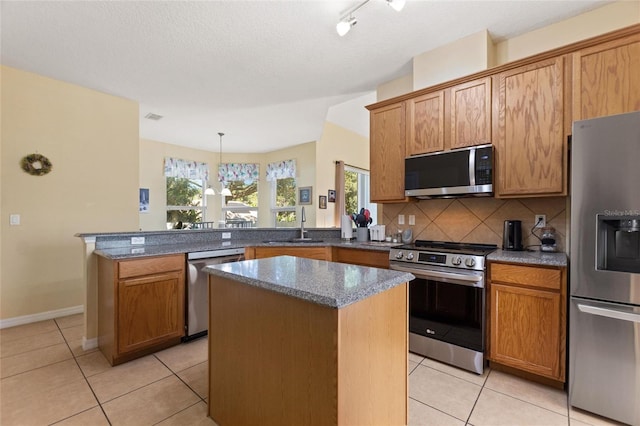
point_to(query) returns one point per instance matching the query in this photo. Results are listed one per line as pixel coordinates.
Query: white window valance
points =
(281, 170)
(176, 167)
(245, 172)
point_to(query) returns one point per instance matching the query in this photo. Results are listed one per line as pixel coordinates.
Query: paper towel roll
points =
(346, 227)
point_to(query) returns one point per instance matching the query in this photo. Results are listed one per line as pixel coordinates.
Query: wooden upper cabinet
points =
(387, 152)
(606, 79)
(426, 123)
(529, 133)
(471, 113)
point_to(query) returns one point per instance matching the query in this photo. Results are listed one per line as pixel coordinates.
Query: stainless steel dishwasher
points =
(197, 298)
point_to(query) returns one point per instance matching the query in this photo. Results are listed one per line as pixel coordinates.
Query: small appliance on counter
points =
(548, 239)
(346, 227)
(377, 232)
(512, 235)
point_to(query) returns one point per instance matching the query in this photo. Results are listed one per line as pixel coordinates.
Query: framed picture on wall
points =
(322, 203)
(144, 200)
(332, 195)
(304, 195)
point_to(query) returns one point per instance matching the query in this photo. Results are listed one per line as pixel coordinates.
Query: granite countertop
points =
(335, 285)
(529, 257)
(134, 251)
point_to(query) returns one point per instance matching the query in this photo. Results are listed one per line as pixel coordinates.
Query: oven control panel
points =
(452, 260)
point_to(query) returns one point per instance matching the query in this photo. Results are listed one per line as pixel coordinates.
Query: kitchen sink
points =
(293, 241)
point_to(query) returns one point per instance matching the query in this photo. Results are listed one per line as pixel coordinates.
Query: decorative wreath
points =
(36, 164)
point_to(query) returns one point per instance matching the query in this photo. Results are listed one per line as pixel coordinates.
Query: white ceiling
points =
(263, 72)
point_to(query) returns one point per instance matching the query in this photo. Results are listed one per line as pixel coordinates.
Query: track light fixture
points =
(347, 20)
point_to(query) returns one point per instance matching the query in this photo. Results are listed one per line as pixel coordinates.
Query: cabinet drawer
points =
(376, 259)
(151, 265)
(527, 275)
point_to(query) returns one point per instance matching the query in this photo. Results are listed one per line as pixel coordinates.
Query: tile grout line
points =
(437, 409)
(75, 359)
(477, 398)
(180, 378)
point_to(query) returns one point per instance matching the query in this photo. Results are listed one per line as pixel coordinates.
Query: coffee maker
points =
(512, 235)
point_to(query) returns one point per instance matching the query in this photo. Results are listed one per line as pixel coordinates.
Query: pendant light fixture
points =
(225, 191)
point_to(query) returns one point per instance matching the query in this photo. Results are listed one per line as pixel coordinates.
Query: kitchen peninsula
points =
(304, 341)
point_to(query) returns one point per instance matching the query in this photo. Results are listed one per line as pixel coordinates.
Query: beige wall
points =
(92, 140)
(152, 154)
(476, 52)
(599, 21)
(336, 143)
(462, 57)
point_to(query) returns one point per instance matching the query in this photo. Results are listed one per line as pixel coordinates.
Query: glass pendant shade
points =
(209, 191)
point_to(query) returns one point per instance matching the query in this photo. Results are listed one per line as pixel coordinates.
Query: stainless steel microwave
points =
(459, 172)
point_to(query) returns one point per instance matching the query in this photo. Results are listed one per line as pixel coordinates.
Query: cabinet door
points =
(150, 310)
(319, 253)
(606, 79)
(530, 141)
(525, 329)
(471, 113)
(426, 123)
(376, 259)
(387, 153)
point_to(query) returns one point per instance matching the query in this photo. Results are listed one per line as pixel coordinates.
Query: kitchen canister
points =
(362, 234)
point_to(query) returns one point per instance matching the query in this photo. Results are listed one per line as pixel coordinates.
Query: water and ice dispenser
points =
(618, 243)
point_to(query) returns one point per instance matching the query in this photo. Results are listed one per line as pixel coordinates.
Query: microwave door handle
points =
(472, 167)
(462, 279)
(609, 313)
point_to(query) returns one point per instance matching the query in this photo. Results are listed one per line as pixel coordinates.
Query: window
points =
(185, 202)
(186, 180)
(357, 192)
(241, 208)
(283, 202)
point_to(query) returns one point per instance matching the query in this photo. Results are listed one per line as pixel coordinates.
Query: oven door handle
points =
(449, 277)
(609, 313)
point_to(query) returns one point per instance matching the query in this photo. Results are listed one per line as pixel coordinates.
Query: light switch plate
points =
(14, 219)
(412, 219)
(226, 235)
(400, 219)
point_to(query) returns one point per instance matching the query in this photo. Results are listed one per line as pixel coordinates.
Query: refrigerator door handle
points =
(609, 313)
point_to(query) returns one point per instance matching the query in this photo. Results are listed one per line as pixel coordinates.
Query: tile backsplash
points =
(478, 220)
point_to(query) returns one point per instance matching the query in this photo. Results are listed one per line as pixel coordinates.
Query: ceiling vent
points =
(152, 116)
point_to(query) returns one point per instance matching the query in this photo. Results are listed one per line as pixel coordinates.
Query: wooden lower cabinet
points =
(372, 258)
(318, 253)
(527, 318)
(140, 305)
(275, 359)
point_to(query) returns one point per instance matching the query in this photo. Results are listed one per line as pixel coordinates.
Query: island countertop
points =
(329, 284)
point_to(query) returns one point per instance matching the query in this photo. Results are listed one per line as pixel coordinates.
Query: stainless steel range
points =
(446, 300)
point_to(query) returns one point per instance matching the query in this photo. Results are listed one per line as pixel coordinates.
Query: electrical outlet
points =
(541, 220)
(400, 219)
(412, 219)
(137, 240)
(226, 235)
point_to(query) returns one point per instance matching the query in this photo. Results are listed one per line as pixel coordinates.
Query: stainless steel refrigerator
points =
(604, 334)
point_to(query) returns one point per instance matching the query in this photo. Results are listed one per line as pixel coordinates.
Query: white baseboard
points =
(89, 343)
(28, 319)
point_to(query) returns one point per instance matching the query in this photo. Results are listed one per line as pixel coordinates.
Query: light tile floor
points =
(46, 378)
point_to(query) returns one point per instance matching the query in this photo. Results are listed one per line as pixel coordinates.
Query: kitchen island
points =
(296, 341)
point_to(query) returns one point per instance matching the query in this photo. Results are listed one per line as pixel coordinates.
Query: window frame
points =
(203, 208)
(274, 209)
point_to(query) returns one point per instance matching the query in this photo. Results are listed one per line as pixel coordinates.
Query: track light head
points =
(345, 25)
(397, 5)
